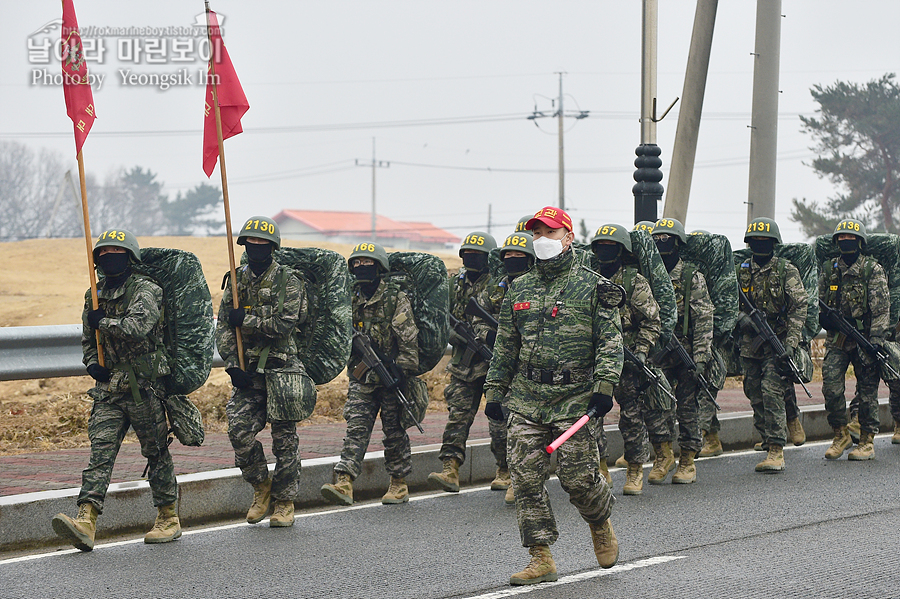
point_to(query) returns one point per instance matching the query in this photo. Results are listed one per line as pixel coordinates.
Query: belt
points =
(564, 376)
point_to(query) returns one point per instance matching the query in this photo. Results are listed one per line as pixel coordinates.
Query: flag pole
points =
(90, 252)
(234, 294)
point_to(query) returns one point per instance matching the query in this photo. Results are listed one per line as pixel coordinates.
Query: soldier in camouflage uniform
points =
(382, 311)
(558, 354)
(854, 284)
(467, 369)
(272, 303)
(640, 330)
(774, 287)
(694, 329)
(129, 390)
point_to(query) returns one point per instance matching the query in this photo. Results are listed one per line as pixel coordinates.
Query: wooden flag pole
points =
(90, 251)
(234, 294)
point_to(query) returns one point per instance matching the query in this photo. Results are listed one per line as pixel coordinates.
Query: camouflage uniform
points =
(776, 290)
(697, 343)
(463, 393)
(862, 293)
(552, 327)
(266, 325)
(132, 334)
(387, 318)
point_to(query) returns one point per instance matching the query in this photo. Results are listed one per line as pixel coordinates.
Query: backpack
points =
(423, 278)
(713, 258)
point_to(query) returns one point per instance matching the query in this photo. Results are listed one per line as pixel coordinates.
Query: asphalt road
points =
(820, 529)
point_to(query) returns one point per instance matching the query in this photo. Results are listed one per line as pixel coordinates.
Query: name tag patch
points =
(522, 306)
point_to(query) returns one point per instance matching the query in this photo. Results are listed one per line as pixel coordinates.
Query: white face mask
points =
(546, 248)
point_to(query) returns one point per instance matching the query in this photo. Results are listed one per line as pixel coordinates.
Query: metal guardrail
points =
(45, 352)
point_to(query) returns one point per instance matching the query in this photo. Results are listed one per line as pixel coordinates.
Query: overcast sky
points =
(318, 74)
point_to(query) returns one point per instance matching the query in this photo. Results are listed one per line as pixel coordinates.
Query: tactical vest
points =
(685, 285)
(378, 325)
(770, 300)
(856, 292)
(266, 298)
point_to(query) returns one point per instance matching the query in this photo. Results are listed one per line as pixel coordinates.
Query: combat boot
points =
(510, 497)
(687, 472)
(895, 438)
(541, 568)
(167, 526)
(341, 491)
(853, 428)
(622, 462)
(448, 478)
(866, 448)
(840, 444)
(606, 546)
(663, 464)
(760, 447)
(282, 514)
(79, 531)
(262, 502)
(796, 432)
(604, 468)
(634, 480)
(774, 461)
(712, 446)
(502, 481)
(398, 492)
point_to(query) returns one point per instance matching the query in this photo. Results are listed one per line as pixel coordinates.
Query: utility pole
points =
(490, 206)
(375, 164)
(560, 114)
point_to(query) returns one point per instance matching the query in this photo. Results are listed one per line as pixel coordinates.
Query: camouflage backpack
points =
(714, 259)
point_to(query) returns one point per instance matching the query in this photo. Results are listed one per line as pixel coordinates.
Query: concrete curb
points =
(222, 495)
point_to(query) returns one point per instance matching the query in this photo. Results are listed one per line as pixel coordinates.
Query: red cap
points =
(555, 218)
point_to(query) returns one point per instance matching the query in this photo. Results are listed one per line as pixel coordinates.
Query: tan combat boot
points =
(622, 462)
(262, 501)
(606, 546)
(662, 465)
(796, 432)
(167, 526)
(510, 497)
(774, 461)
(866, 448)
(895, 438)
(712, 446)
(604, 468)
(853, 428)
(398, 492)
(79, 531)
(502, 481)
(282, 514)
(760, 447)
(840, 444)
(541, 568)
(687, 472)
(634, 480)
(341, 491)
(448, 478)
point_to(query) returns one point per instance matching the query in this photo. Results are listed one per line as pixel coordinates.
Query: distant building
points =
(353, 227)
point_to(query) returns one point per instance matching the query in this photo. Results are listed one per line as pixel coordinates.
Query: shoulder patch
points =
(522, 306)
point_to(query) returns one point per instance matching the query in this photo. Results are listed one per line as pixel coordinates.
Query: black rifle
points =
(674, 345)
(654, 378)
(375, 360)
(848, 330)
(767, 335)
(473, 308)
(474, 345)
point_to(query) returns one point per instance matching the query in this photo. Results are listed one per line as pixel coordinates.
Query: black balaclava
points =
(475, 263)
(610, 258)
(259, 256)
(762, 249)
(669, 251)
(367, 276)
(849, 250)
(115, 267)
(516, 265)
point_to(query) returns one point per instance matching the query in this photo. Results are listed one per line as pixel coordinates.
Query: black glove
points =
(98, 373)
(236, 317)
(493, 410)
(827, 322)
(241, 379)
(94, 317)
(601, 403)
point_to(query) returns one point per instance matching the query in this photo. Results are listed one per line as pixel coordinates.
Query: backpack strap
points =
(687, 278)
(630, 272)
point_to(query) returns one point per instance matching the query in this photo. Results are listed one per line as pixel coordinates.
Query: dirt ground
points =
(43, 283)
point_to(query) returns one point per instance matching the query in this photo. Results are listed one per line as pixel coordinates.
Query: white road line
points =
(510, 592)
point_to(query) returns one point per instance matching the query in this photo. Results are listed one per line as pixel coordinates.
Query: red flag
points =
(79, 98)
(232, 101)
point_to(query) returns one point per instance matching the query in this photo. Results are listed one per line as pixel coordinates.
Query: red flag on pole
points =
(232, 101)
(79, 98)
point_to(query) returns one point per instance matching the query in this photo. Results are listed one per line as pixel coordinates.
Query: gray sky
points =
(315, 72)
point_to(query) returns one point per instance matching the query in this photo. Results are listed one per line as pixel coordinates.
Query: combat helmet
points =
(644, 225)
(613, 232)
(368, 249)
(699, 232)
(520, 226)
(520, 242)
(119, 238)
(261, 227)
(763, 227)
(478, 241)
(670, 226)
(853, 227)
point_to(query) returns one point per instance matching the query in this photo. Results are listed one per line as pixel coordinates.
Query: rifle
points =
(674, 345)
(848, 330)
(473, 308)
(375, 360)
(768, 335)
(474, 345)
(654, 378)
